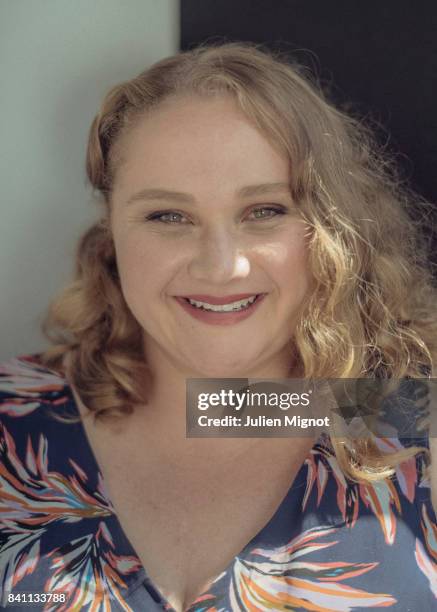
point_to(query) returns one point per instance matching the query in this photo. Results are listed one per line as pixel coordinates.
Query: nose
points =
(219, 258)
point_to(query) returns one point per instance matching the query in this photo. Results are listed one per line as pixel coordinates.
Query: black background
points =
(376, 59)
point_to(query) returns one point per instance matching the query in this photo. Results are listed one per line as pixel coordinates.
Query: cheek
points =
(143, 265)
(286, 262)
(296, 260)
(294, 277)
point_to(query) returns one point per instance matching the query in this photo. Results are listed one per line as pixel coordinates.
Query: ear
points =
(433, 449)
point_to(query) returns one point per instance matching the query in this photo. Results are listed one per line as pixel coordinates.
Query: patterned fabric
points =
(332, 545)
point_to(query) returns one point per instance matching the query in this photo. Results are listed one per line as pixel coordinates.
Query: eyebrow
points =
(186, 198)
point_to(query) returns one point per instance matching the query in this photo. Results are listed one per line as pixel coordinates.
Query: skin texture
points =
(208, 149)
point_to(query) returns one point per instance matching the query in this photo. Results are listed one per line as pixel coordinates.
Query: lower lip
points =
(220, 318)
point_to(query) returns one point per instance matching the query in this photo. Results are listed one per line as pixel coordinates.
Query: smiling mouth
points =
(228, 311)
(236, 306)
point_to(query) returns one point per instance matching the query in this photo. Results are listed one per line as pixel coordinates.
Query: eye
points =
(171, 217)
(267, 212)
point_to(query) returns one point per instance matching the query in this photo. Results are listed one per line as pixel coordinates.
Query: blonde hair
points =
(371, 310)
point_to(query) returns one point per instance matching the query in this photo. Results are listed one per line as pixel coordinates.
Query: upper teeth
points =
(224, 307)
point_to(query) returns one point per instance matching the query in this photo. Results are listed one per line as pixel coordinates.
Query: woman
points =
(227, 183)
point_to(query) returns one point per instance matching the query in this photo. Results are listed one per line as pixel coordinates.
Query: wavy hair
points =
(371, 311)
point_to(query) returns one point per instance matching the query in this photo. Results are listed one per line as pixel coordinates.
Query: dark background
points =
(376, 59)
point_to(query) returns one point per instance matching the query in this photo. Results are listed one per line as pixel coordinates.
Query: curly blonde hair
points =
(371, 312)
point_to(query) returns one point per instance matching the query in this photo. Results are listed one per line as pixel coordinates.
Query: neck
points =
(166, 409)
(169, 376)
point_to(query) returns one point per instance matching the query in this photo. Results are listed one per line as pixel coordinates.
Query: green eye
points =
(267, 212)
(173, 217)
(169, 217)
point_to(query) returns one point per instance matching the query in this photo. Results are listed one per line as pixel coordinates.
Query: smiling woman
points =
(234, 235)
(248, 230)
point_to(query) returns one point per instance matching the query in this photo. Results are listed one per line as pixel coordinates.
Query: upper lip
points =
(227, 299)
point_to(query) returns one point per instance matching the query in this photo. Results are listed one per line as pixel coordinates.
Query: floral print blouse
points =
(332, 545)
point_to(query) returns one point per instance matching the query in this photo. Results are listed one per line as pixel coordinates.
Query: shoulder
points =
(41, 436)
(31, 398)
(52, 496)
(25, 384)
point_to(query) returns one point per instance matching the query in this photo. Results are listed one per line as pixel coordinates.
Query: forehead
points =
(190, 138)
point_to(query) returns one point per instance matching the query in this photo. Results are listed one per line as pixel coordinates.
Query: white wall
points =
(57, 59)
